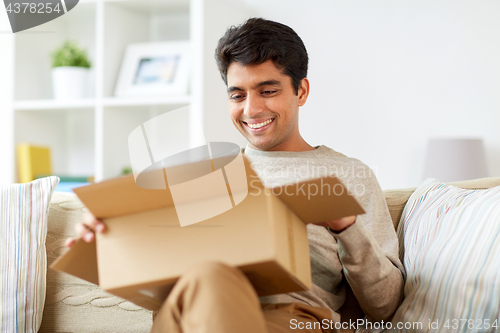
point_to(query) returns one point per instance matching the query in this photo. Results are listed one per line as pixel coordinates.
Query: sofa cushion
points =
(23, 266)
(75, 305)
(449, 247)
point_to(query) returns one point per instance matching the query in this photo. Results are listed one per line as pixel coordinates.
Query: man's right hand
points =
(87, 229)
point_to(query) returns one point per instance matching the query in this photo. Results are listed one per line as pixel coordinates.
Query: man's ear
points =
(303, 91)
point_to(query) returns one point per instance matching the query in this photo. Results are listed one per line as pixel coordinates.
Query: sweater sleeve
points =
(368, 251)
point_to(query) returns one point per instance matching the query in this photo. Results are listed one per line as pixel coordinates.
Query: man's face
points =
(263, 105)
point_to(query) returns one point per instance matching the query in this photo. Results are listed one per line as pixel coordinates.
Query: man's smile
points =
(258, 125)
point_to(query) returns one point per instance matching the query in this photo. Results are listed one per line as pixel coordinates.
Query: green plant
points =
(126, 170)
(70, 54)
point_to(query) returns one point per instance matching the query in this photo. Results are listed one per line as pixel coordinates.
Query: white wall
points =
(6, 97)
(386, 75)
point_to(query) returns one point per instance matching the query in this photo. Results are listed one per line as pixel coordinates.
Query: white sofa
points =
(74, 305)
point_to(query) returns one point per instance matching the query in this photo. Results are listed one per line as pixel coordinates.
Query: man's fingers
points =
(87, 229)
(84, 232)
(70, 241)
(90, 220)
(93, 223)
(100, 227)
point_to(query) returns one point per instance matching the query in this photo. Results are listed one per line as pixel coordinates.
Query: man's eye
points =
(236, 97)
(268, 92)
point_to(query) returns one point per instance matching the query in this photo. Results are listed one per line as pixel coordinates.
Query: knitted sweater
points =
(365, 255)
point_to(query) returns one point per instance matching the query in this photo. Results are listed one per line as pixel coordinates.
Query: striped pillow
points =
(23, 229)
(450, 246)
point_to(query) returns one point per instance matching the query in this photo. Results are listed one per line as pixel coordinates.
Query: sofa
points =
(74, 305)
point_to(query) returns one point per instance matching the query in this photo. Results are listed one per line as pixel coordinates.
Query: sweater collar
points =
(307, 153)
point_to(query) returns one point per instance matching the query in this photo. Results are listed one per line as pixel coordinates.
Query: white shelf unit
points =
(89, 137)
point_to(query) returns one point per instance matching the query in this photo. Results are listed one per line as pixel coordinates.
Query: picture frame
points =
(154, 69)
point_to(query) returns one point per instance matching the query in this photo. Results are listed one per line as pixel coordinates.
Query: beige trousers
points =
(215, 298)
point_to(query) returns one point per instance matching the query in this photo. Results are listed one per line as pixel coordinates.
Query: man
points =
(264, 65)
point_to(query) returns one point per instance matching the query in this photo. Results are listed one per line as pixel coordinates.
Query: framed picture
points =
(154, 69)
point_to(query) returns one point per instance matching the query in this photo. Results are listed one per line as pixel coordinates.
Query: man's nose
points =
(253, 106)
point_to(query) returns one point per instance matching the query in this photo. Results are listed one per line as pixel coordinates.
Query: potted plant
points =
(70, 71)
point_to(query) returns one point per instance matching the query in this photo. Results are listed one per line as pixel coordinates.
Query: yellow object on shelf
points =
(32, 161)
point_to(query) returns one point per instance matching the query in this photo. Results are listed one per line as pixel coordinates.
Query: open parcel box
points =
(145, 249)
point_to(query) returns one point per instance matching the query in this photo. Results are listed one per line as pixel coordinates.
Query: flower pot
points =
(70, 82)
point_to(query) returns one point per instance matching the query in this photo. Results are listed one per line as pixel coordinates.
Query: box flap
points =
(319, 200)
(80, 260)
(122, 196)
(313, 201)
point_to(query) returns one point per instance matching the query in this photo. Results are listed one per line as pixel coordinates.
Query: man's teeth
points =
(259, 125)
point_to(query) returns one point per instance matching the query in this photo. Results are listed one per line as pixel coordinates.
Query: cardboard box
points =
(145, 249)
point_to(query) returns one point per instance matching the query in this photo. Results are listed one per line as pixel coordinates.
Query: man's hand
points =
(87, 229)
(340, 224)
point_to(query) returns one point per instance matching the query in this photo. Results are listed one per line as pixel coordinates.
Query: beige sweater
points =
(365, 255)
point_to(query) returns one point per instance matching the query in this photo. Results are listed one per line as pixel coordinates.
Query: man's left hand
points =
(339, 224)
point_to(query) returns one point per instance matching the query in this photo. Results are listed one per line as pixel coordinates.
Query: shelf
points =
(90, 136)
(153, 6)
(50, 104)
(154, 101)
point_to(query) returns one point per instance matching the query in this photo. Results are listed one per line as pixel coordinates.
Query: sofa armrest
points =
(396, 199)
(75, 305)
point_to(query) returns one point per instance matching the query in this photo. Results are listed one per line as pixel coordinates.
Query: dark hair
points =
(257, 41)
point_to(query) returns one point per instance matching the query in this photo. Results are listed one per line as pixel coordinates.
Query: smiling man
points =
(264, 65)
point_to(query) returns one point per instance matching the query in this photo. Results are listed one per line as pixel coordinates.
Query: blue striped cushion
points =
(450, 246)
(23, 268)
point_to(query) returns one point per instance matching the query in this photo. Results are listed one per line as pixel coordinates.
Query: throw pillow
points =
(23, 230)
(450, 247)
